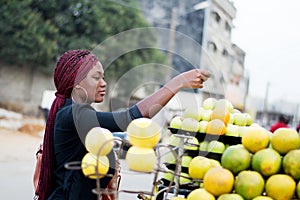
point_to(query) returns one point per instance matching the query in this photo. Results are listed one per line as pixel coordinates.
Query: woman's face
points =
(94, 85)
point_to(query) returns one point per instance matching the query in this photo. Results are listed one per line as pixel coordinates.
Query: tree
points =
(87, 23)
(33, 33)
(25, 38)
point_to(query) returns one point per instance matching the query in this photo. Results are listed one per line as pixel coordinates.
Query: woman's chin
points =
(99, 100)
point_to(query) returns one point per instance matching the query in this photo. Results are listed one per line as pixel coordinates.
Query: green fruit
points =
(236, 158)
(291, 163)
(249, 184)
(266, 161)
(230, 197)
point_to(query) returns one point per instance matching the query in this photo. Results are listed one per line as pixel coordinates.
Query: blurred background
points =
(250, 47)
(34, 33)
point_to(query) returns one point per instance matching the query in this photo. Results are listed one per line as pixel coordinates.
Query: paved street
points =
(16, 181)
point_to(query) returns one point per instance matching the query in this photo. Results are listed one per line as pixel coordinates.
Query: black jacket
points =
(72, 123)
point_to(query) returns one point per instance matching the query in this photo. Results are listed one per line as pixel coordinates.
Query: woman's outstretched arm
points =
(152, 104)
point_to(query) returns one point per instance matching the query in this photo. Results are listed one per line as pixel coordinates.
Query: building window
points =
(227, 27)
(216, 16)
(212, 47)
(225, 53)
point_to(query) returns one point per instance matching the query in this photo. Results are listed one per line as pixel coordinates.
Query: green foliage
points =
(38, 31)
(25, 38)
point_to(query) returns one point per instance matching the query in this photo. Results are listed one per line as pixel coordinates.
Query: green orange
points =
(236, 158)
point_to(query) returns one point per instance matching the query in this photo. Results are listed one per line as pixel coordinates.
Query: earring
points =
(85, 92)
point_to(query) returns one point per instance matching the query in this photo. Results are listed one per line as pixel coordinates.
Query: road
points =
(16, 181)
(17, 163)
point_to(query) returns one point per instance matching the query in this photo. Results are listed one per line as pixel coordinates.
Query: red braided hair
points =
(71, 68)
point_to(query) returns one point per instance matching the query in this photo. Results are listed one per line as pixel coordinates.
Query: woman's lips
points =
(102, 92)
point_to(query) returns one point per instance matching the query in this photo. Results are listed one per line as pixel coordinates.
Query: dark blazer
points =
(72, 123)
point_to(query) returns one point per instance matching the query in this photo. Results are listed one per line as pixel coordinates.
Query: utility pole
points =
(171, 46)
(265, 107)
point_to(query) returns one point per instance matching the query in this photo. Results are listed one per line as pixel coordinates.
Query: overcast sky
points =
(269, 32)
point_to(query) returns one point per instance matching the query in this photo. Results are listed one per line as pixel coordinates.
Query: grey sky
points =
(269, 32)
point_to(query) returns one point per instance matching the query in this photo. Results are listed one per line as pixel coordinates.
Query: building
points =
(267, 114)
(200, 36)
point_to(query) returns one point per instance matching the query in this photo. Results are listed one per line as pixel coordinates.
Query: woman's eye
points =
(97, 77)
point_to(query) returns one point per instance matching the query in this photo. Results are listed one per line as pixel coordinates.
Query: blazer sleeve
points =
(86, 118)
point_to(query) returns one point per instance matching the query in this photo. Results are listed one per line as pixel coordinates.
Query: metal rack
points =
(160, 168)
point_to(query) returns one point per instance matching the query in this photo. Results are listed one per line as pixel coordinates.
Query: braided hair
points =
(71, 68)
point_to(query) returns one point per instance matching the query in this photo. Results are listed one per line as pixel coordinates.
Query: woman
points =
(79, 80)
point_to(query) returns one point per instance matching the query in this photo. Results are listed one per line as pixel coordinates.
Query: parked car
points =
(121, 146)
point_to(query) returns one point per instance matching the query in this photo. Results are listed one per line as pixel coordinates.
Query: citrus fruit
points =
(229, 106)
(231, 119)
(174, 140)
(285, 139)
(280, 186)
(262, 198)
(169, 175)
(209, 103)
(236, 158)
(221, 111)
(192, 112)
(215, 162)
(140, 159)
(202, 126)
(199, 166)
(230, 197)
(216, 127)
(170, 159)
(242, 130)
(176, 122)
(291, 163)
(184, 178)
(249, 119)
(232, 130)
(255, 139)
(249, 184)
(185, 161)
(200, 194)
(91, 166)
(216, 146)
(203, 145)
(266, 161)
(191, 144)
(206, 115)
(190, 124)
(298, 189)
(240, 119)
(99, 141)
(218, 180)
(143, 132)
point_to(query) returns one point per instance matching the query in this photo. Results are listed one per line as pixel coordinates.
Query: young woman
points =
(79, 80)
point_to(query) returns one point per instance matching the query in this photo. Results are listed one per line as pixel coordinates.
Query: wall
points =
(22, 88)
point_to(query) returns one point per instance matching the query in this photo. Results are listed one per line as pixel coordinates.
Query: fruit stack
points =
(143, 135)
(99, 142)
(264, 166)
(215, 126)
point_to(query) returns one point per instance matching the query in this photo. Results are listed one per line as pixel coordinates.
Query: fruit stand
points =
(219, 155)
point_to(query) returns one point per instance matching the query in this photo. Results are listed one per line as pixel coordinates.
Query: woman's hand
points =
(190, 79)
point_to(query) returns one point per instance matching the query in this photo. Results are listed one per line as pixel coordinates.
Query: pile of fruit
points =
(143, 135)
(98, 142)
(264, 166)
